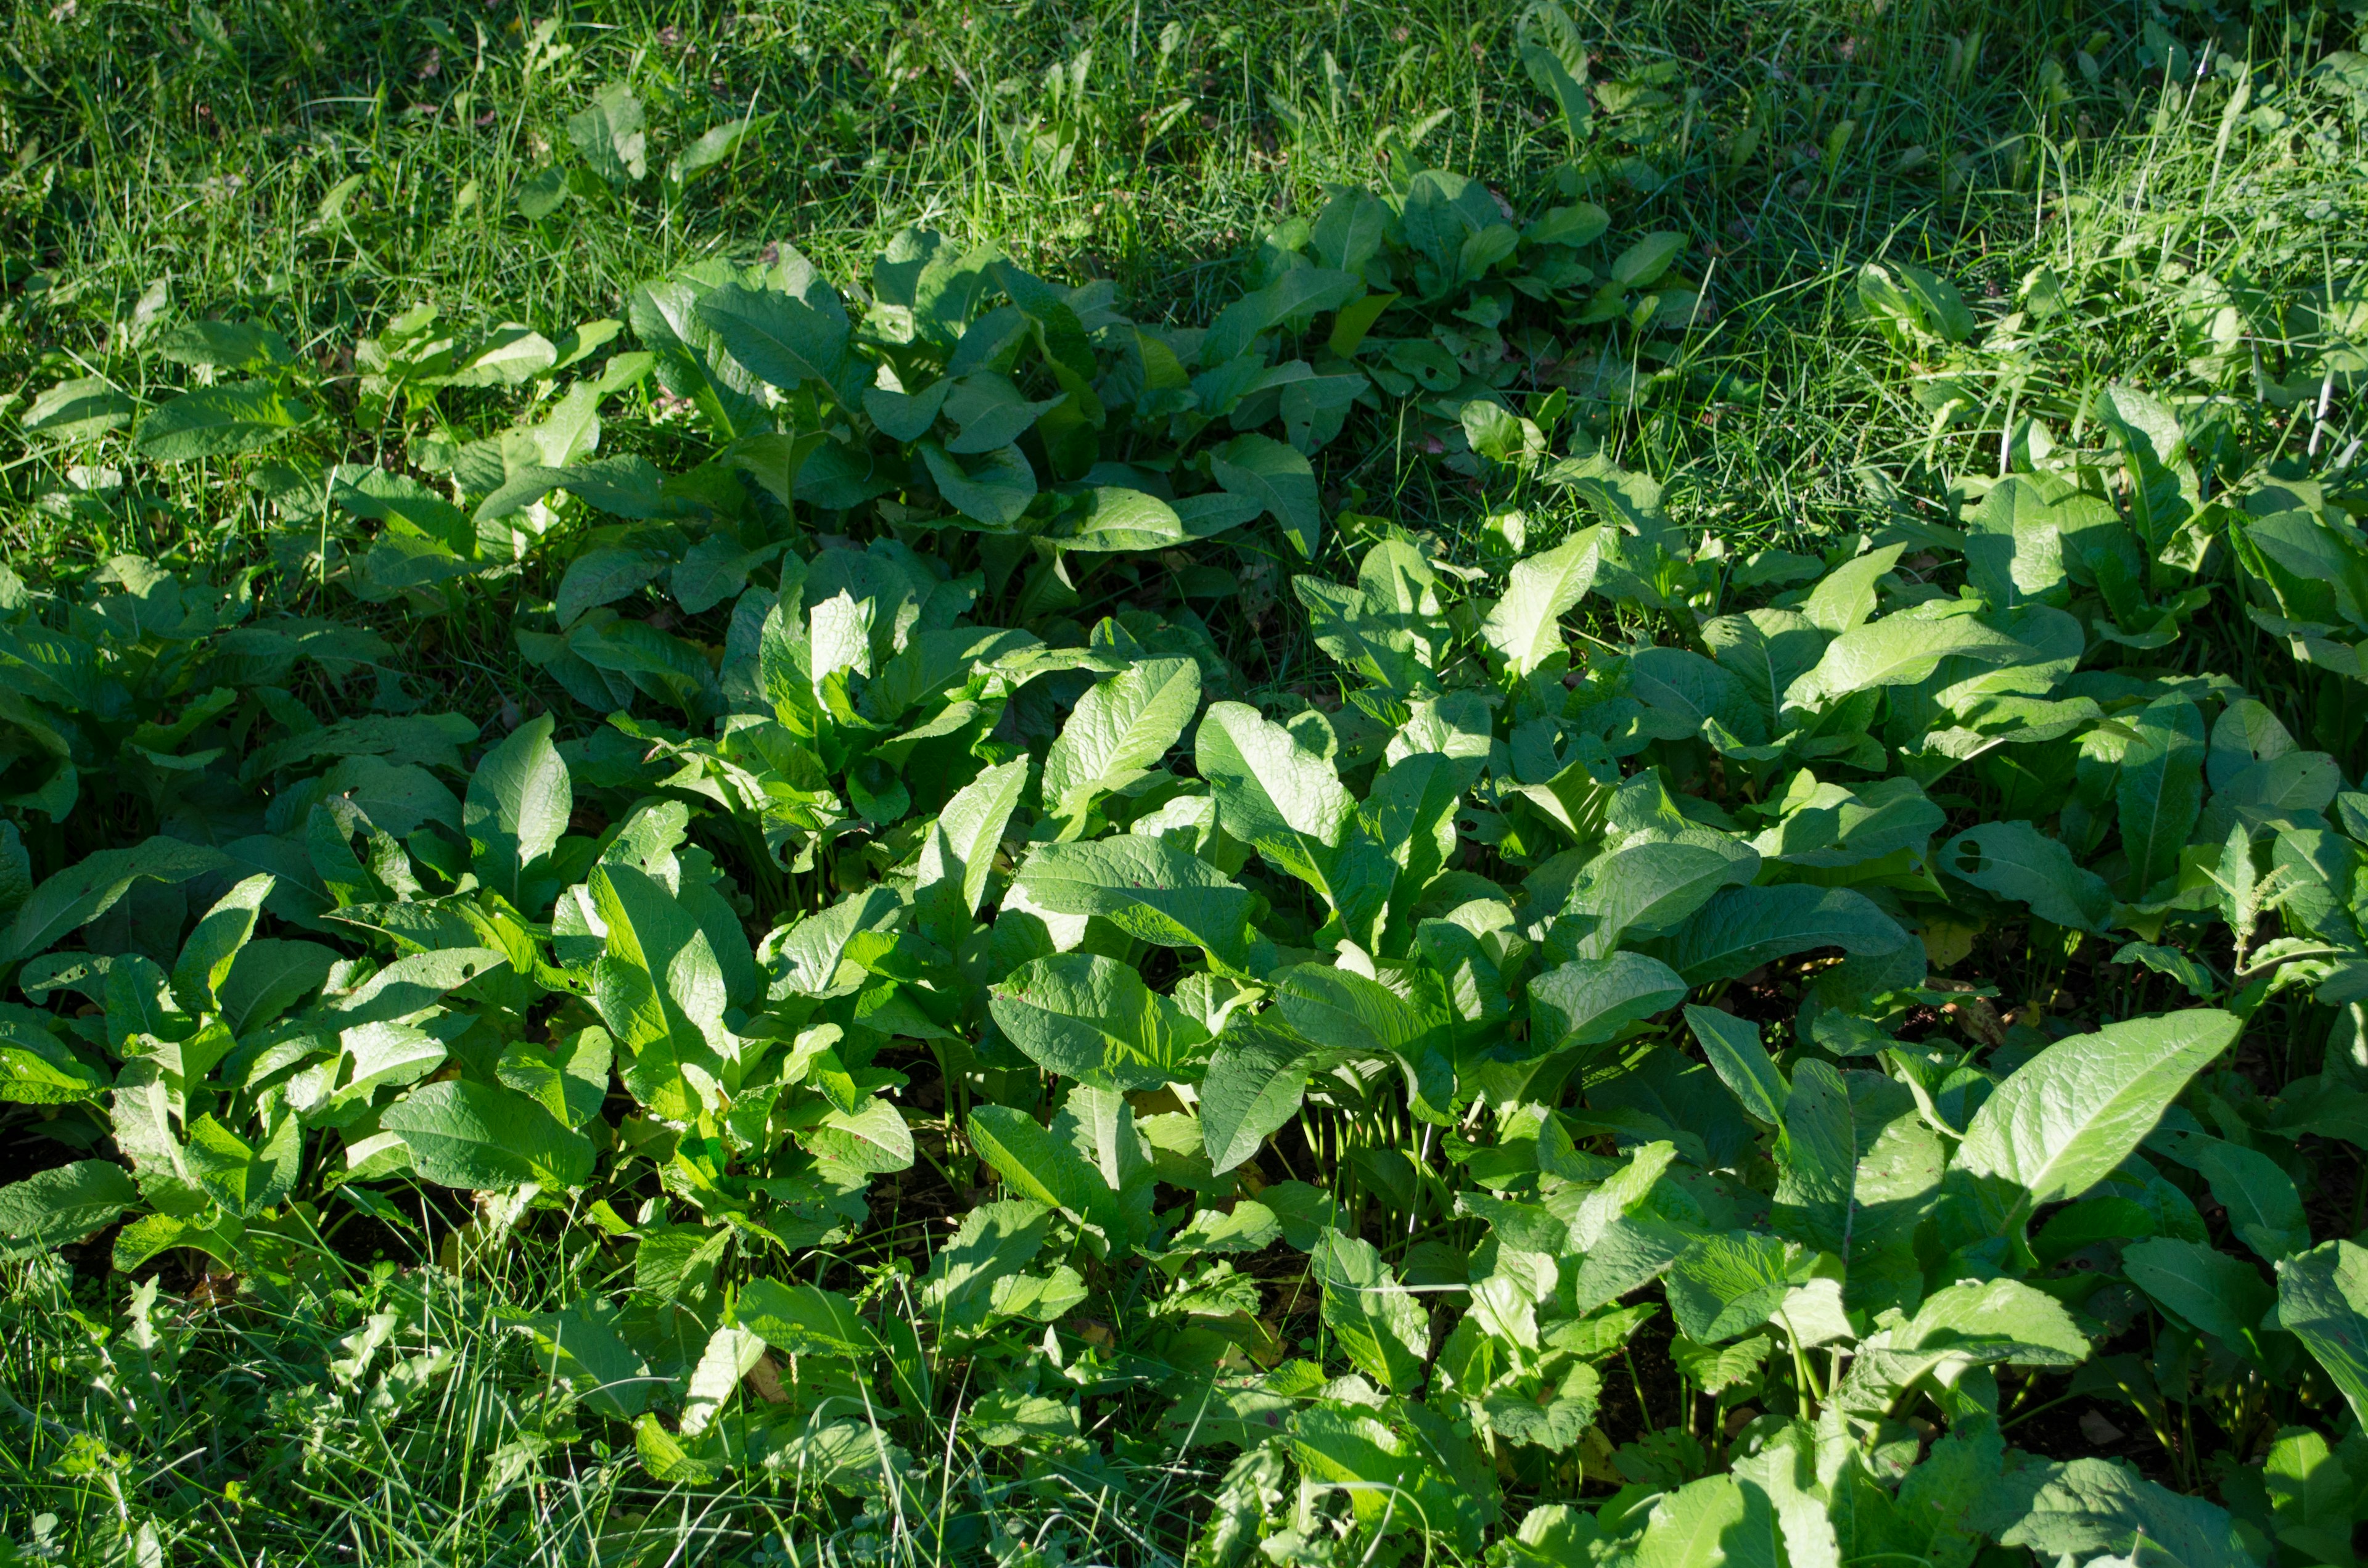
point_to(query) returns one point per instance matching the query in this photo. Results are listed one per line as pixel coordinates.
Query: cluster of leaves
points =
(1602, 990)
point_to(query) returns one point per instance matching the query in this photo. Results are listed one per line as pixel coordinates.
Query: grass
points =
(325, 166)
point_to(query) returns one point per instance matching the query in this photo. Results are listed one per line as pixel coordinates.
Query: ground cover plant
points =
(902, 900)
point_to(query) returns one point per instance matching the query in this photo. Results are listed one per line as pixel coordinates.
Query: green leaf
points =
(994, 492)
(994, 1242)
(1728, 1284)
(806, 1320)
(1362, 1018)
(603, 576)
(2311, 1494)
(2264, 1210)
(1741, 928)
(608, 132)
(874, 1139)
(2219, 1295)
(1733, 1048)
(2014, 860)
(730, 1354)
(1590, 1001)
(1273, 793)
(1280, 480)
(61, 1206)
(2065, 1119)
(1091, 1018)
(1525, 625)
(1985, 1323)
(472, 1135)
(1715, 1522)
(207, 956)
(408, 985)
(83, 893)
(215, 422)
(1846, 596)
(783, 339)
(1147, 888)
(570, 1080)
(1257, 1077)
(516, 807)
(244, 1177)
(1374, 1318)
(1122, 725)
(2161, 791)
(1646, 888)
(1902, 649)
(1816, 1160)
(2323, 1302)
(1034, 1163)
(959, 852)
(2089, 1509)
(1115, 519)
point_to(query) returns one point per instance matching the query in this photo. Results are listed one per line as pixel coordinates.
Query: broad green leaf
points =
(1122, 725)
(244, 1177)
(1727, 1285)
(1645, 888)
(2064, 1119)
(1360, 1017)
(1525, 625)
(1065, 1165)
(84, 892)
(214, 945)
(1816, 1160)
(1092, 1020)
(608, 131)
(1589, 1001)
(1844, 599)
(1902, 649)
(2219, 1295)
(806, 1320)
(1716, 1522)
(1767, 650)
(732, 1353)
(1279, 480)
(216, 422)
(2323, 1302)
(1115, 519)
(569, 1079)
(599, 577)
(872, 1138)
(809, 958)
(65, 1203)
(1273, 793)
(2264, 1210)
(994, 491)
(516, 807)
(472, 1135)
(2092, 1509)
(1741, 928)
(2014, 860)
(1976, 1323)
(410, 984)
(1733, 1048)
(1147, 888)
(2311, 1494)
(1255, 1079)
(2161, 791)
(959, 852)
(781, 338)
(994, 1242)
(1376, 1322)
